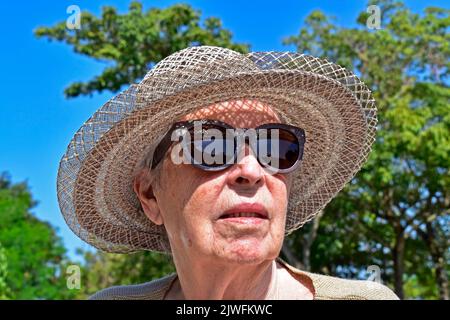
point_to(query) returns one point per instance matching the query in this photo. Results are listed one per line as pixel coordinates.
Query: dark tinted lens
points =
(287, 153)
(210, 147)
(212, 152)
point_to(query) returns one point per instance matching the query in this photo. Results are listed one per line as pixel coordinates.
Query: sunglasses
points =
(213, 145)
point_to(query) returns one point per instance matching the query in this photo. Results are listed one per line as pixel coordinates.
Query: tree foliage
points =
(101, 270)
(133, 42)
(34, 253)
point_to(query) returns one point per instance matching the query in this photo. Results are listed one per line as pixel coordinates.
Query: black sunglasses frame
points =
(165, 143)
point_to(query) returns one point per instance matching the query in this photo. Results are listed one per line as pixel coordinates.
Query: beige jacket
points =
(323, 287)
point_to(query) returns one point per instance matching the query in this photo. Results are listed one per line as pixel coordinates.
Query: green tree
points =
(101, 270)
(35, 254)
(132, 43)
(396, 211)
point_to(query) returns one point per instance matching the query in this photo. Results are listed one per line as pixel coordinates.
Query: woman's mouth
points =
(245, 213)
(245, 218)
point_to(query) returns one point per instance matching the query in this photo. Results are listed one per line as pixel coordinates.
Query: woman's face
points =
(192, 202)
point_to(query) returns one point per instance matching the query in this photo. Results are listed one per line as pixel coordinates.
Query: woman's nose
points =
(247, 171)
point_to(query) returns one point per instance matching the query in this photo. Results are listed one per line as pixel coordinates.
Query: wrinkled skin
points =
(216, 259)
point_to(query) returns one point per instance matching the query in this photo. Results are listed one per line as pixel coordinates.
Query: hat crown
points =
(193, 66)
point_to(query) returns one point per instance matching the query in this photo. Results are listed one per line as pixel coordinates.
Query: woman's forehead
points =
(244, 113)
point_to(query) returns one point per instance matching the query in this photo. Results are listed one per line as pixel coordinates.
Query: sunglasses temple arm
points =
(162, 148)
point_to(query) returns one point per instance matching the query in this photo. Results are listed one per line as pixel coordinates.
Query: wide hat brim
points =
(95, 176)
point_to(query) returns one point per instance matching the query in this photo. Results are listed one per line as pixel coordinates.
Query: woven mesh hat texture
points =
(95, 176)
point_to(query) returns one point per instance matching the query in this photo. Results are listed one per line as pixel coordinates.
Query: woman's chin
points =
(249, 250)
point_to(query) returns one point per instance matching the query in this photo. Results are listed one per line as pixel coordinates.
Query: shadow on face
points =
(191, 200)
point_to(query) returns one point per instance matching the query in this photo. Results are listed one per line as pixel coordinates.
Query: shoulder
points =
(153, 290)
(333, 288)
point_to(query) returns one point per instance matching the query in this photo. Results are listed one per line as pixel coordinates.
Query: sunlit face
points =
(192, 202)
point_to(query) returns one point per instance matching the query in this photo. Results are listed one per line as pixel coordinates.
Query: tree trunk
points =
(399, 268)
(309, 240)
(437, 254)
(441, 278)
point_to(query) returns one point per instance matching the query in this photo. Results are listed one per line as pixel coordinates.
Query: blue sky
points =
(37, 122)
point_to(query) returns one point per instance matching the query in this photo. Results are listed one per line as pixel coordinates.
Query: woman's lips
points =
(245, 213)
(242, 215)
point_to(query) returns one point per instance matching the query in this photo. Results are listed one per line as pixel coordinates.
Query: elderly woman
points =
(213, 158)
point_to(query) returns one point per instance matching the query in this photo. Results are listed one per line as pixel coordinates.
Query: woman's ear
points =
(144, 191)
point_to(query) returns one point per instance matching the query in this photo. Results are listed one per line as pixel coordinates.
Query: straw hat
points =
(330, 103)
